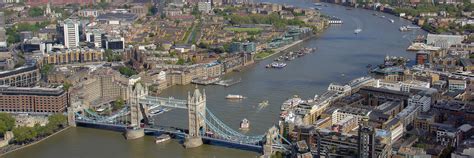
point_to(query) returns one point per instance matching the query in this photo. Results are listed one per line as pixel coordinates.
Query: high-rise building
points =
(366, 147)
(71, 33)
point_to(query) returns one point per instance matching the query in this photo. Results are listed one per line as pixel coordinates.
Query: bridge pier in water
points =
(135, 130)
(196, 111)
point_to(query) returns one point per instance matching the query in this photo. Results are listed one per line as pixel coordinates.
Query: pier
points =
(228, 83)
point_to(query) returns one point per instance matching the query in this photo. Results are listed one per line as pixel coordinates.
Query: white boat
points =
(233, 96)
(317, 4)
(356, 31)
(156, 111)
(162, 138)
(404, 28)
(244, 124)
(391, 20)
(278, 65)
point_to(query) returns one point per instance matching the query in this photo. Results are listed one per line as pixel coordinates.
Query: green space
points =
(24, 134)
(118, 104)
(13, 33)
(188, 33)
(127, 71)
(111, 56)
(35, 12)
(263, 54)
(273, 19)
(252, 30)
(452, 10)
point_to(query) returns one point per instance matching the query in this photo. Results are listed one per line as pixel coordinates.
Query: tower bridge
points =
(202, 123)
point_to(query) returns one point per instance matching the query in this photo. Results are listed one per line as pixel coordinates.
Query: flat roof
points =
(42, 91)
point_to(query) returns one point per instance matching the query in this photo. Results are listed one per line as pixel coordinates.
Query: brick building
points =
(58, 2)
(22, 99)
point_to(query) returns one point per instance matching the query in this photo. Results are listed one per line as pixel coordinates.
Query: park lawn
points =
(239, 29)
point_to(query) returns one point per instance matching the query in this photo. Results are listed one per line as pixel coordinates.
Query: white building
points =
(404, 86)
(346, 89)
(454, 85)
(11, 1)
(88, 13)
(204, 7)
(420, 101)
(341, 113)
(71, 33)
(443, 41)
(408, 115)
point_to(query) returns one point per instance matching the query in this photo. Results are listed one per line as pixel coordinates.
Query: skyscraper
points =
(366, 147)
(71, 33)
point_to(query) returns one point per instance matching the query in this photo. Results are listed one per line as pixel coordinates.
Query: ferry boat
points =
(356, 31)
(335, 20)
(162, 138)
(233, 96)
(408, 28)
(156, 111)
(244, 124)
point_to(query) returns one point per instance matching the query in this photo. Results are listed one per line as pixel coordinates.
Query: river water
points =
(341, 56)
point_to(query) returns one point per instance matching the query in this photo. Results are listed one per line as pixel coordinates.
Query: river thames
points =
(341, 56)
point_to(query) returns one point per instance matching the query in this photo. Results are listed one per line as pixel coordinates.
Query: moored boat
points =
(234, 96)
(244, 124)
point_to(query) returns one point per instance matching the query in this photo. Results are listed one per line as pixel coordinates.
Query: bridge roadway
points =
(177, 132)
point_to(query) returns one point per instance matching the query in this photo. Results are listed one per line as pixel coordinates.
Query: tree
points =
(35, 12)
(180, 61)
(46, 69)
(7, 122)
(57, 120)
(110, 56)
(24, 134)
(66, 86)
(127, 71)
(152, 10)
(119, 103)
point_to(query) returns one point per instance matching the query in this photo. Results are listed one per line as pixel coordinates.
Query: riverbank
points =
(279, 50)
(15, 147)
(385, 10)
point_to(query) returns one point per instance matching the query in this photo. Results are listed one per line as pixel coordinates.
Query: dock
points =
(228, 83)
(205, 81)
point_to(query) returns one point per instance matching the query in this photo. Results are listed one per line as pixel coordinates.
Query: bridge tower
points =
(135, 131)
(196, 112)
(271, 136)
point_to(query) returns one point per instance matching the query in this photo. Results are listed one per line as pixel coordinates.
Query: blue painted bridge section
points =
(176, 133)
